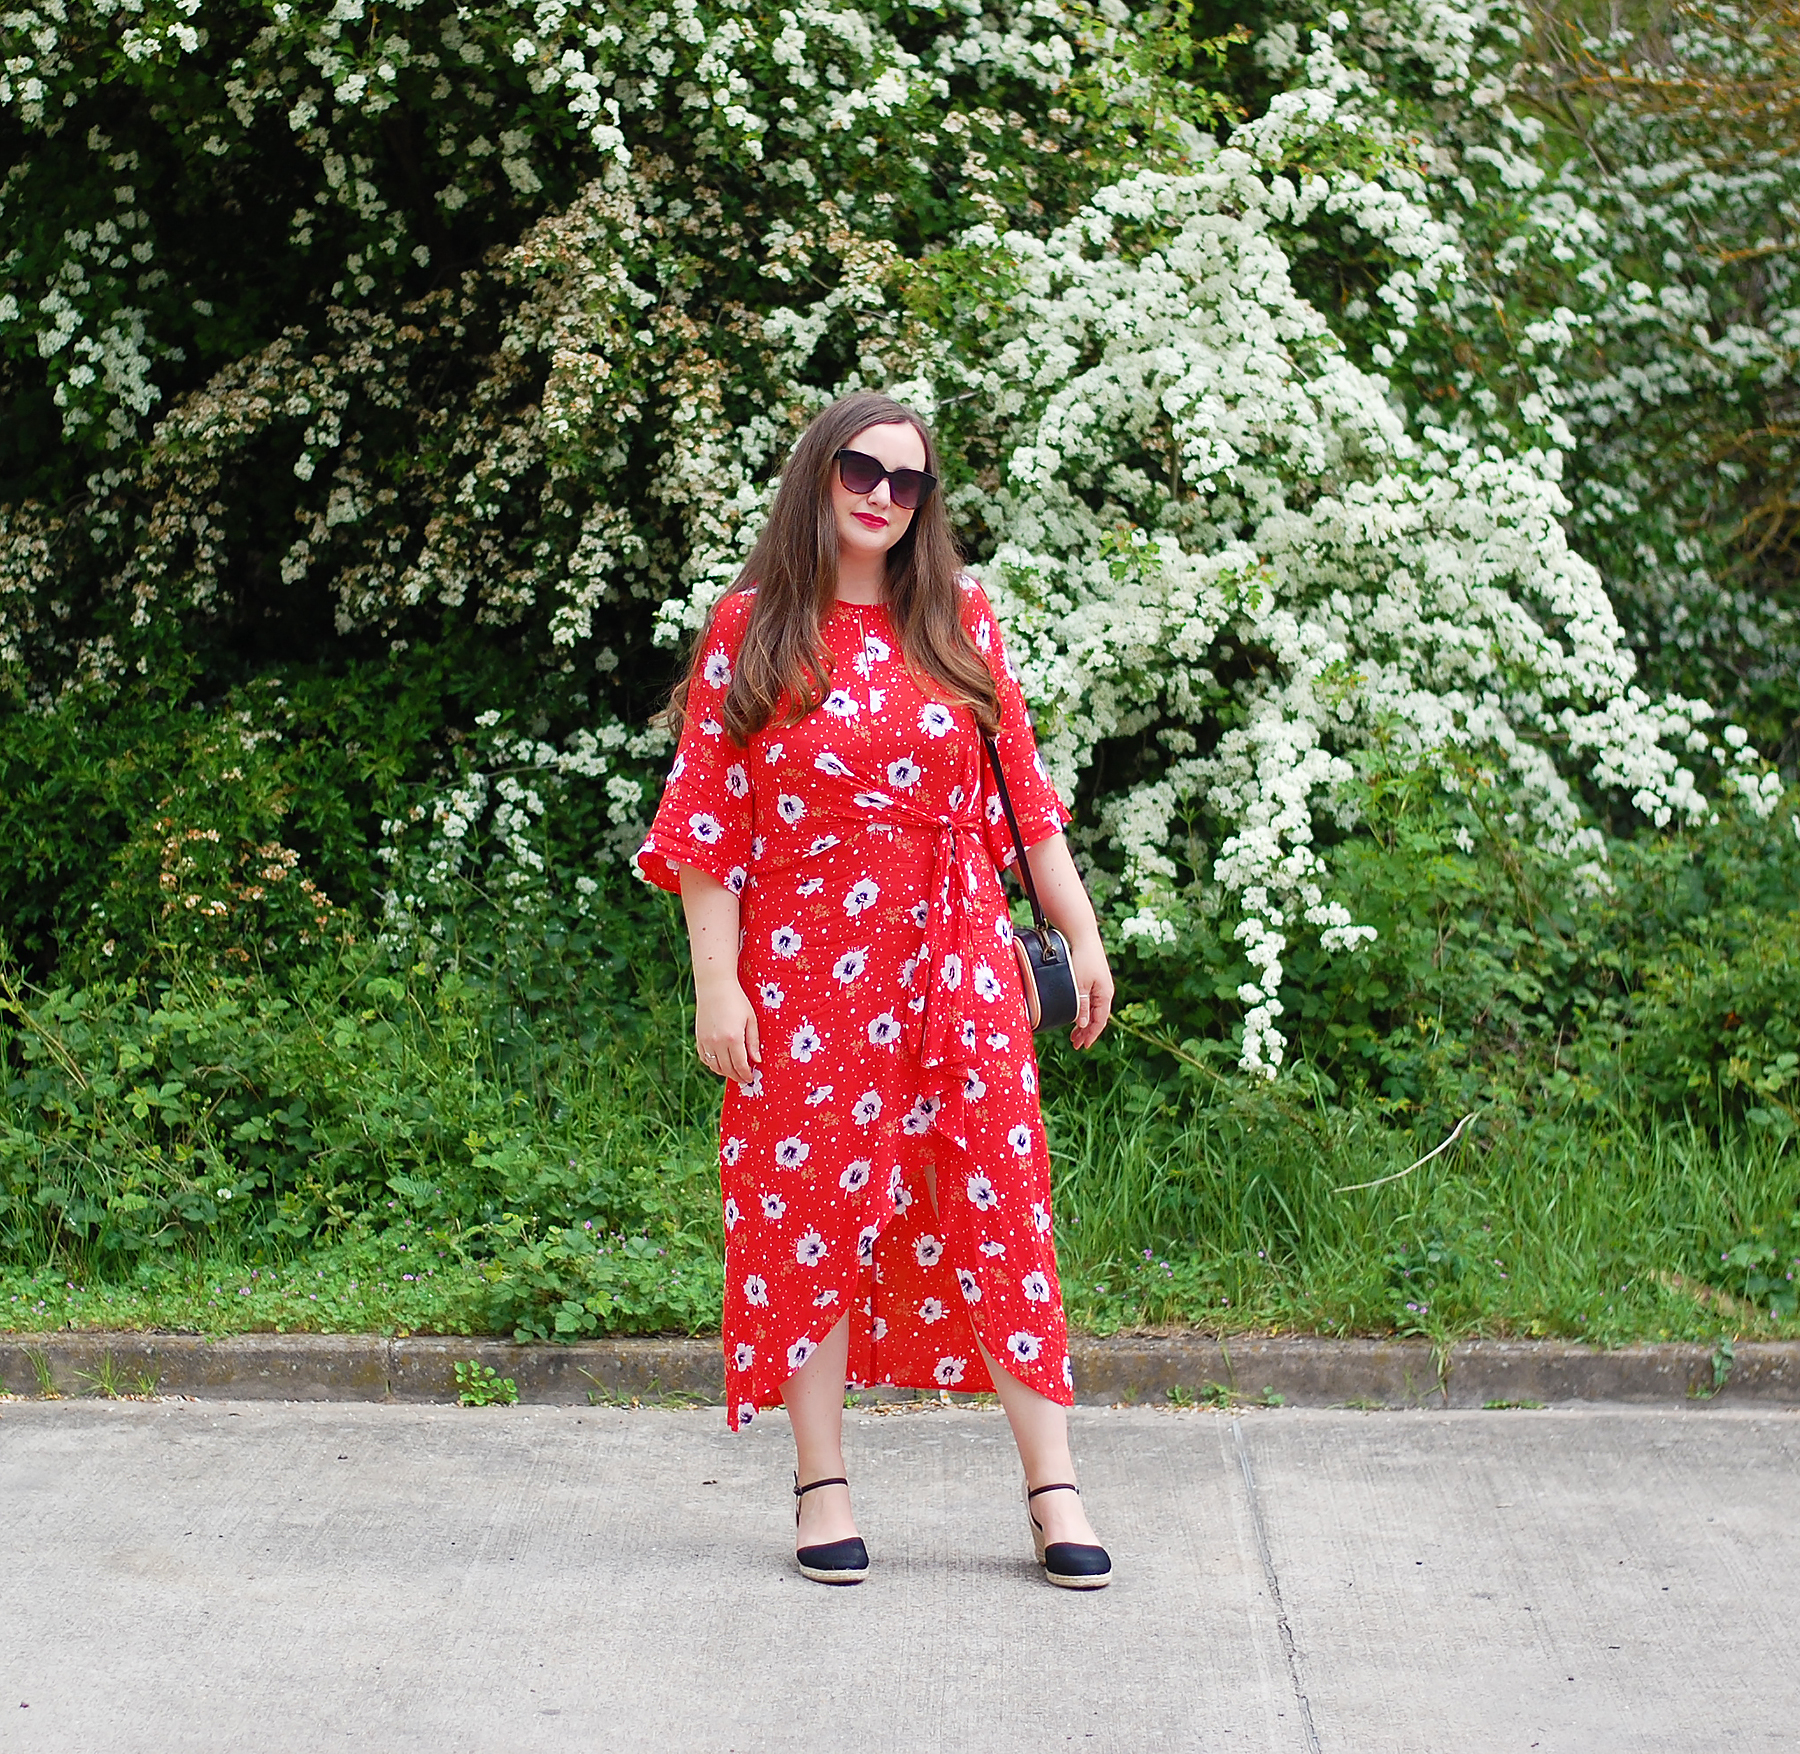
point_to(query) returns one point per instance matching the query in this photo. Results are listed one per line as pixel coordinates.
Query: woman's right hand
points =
(725, 1030)
(724, 1021)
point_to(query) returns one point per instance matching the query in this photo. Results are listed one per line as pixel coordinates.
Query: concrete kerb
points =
(1290, 1370)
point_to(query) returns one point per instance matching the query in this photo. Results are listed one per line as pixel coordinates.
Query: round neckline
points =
(860, 608)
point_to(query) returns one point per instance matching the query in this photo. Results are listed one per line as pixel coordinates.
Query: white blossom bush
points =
(1268, 515)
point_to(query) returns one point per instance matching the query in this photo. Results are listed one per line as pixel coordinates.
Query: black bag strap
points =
(1012, 822)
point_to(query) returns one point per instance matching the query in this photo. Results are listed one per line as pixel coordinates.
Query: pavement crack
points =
(1268, 1564)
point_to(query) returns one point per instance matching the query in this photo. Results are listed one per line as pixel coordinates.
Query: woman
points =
(835, 838)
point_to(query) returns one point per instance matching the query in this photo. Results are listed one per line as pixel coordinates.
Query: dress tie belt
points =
(936, 1012)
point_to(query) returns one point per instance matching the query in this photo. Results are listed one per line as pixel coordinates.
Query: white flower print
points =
(818, 1094)
(746, 1412)
(984, 635)
(811, 886)
(908, 969)
(774, 753)
(856, 1176)
(904, 773)
(710, 727)
(792, 1152)
(825, 1299)
(927, 1250)
(705, 828)
(771, 996)
(876, 649)
(1040, 1217)
(1028, 1077)
(842, 704)
(998, 1040)
(981, 1193)
(731, 1151)
(995, 809)
(873, 801)
(756, 1291)
(973, 1088)
(821, 844)
(1024, 1347)
(744, 1356)
(920, 914)
(878, 1328)
(755, 1087)
(1068, 1372)
(950, 971)
(733, 1214)
(737, 780)
(831, 765)
(717, 670)
(1020, 1140)
(677, 768)
(956, 797)
(931, 1310)
(862, 896)
(936, 719)
(917, 1119)
(949, 1371)
(884, 1029)
(758, 846)
(736, 878)
(987, 983)
(971, 1286)
(804, 1043)
(1036, 1287)
(902, 1195)
(865, 1246)
(867, 1108)
(799, 1352)
(773, 1207)
(968, 1033)
(809, 1251)
(789, 808)
(993, 1251)
(850, 965)
(785, 942)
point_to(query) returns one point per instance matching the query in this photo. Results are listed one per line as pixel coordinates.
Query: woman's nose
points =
(878, 496)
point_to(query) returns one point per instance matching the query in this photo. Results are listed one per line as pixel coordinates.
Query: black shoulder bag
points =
(1042, 951)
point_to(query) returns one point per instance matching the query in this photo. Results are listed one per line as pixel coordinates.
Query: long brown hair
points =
(783, 664)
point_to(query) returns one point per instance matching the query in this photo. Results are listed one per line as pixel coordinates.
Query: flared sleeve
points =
(1041, 812)
(704, 817)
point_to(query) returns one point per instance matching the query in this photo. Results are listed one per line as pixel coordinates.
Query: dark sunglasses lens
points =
(858, 473)
(910, 488)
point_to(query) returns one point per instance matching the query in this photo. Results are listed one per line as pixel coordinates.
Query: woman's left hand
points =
(1093, 989)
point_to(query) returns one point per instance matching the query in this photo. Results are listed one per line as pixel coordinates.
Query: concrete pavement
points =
(204, 1575)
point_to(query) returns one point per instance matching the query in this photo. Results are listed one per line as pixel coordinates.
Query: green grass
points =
(1214, 1207)
(1609, 1227)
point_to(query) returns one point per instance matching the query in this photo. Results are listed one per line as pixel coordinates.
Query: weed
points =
(480, 1385)
(107, 1381)
(46, 1377)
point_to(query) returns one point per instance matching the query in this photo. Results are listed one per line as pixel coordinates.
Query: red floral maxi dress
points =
(864, 844)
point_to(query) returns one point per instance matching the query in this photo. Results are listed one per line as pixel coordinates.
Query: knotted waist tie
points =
(937, 1003)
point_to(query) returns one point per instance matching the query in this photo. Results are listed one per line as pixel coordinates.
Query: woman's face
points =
(869, 524)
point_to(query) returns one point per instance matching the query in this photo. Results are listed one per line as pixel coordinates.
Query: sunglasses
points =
(861, 473)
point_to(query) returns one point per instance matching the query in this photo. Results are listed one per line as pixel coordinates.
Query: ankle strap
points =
(812, 1486)
(1058, 1486)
